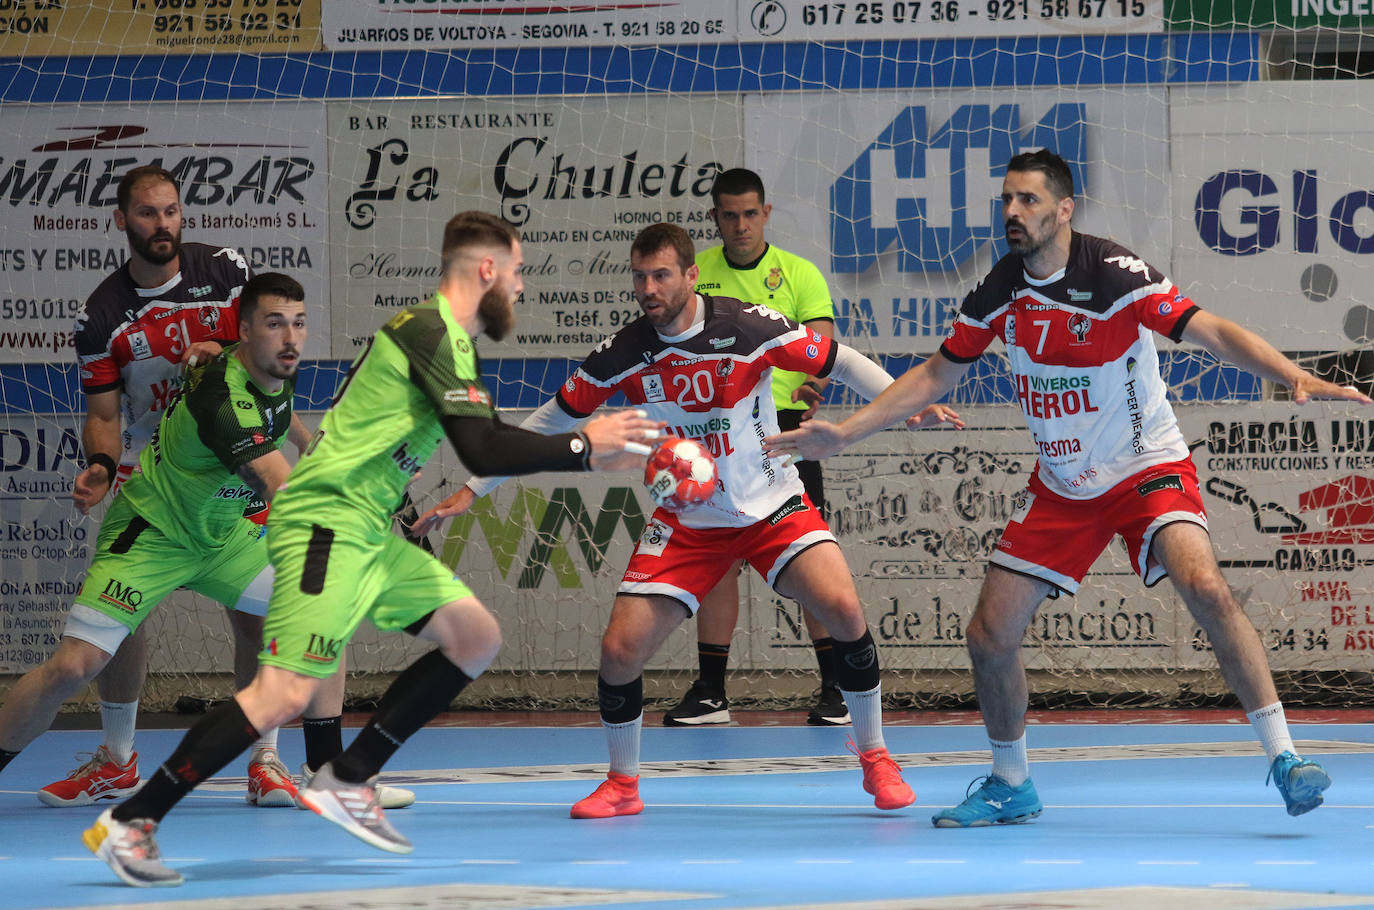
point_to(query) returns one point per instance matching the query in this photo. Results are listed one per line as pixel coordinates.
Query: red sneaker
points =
(883, 778)
(100, 777)
(269, 783)
(617, 795)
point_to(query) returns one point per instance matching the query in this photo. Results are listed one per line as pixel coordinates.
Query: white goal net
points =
(1222, 144)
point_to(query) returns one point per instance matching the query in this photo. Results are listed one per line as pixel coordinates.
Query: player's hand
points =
(456, 504)
(933, 416)
(621, 441)
(1309, 387)
(812, 440)
(200, 353)
(90, 487)
(807, 395)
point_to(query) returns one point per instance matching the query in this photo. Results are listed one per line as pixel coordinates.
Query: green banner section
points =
(1267, 15)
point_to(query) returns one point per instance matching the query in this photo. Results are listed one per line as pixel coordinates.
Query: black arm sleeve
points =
(488, 447)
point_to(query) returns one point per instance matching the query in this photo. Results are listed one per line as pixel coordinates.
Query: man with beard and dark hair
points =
(1077, 315)
(337, 561)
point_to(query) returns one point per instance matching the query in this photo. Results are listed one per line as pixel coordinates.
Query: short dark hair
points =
(125, 191)
(659, 236)
(268, 284)
(736, 182)
(468, 229)
(1058, 177)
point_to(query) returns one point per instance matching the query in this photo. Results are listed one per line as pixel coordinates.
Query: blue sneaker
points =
(996, 802)
(1300, 782)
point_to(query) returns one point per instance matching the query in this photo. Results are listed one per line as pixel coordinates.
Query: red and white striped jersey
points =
(1082, 353)
(132, 338)
(711, 384)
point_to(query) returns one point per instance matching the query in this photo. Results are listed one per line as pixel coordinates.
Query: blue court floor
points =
(1136, 816)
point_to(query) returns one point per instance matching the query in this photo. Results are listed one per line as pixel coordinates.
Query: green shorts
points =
(327, 582)
(136, 566)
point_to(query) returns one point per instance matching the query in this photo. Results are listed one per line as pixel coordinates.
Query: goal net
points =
(1219, 142)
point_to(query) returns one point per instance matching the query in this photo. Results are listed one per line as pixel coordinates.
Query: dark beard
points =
(144, 247)
(496, 312)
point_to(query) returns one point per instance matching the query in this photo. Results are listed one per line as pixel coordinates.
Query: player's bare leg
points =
(34, 700)
(637, 629)
(819, 579)
(1006, 604)
(1185, 550)
(706, 701)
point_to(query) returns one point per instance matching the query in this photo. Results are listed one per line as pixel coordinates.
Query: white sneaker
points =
(354, 808)
(387, 797)
(130, 850)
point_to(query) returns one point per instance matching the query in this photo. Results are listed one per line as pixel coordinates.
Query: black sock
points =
(713, 659)
(427, 687)
(208, 746)
(825, 659)
(6, 756)
(323, 739)
(856, 664)
(620, 704)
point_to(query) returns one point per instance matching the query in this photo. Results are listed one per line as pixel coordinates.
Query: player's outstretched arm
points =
(100, 435)
(1245, 349)
(265, 474)
(912, 392)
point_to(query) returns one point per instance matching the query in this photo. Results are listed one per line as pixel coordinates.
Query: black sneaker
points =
(701, 705)
(830, 709)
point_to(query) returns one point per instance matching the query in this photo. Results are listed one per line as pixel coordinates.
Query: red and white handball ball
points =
(680, 474)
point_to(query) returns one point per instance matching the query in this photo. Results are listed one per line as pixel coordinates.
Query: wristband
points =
(105, 462)
(581, 445)
(815, 386)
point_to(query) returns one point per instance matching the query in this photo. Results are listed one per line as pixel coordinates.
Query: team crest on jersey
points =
(655, 538)
(1080, 325)
(1008, 333)
(1021, 504)
(653, 388)
(209, 317)
(774, 279)
(724, 368)
(139, 346)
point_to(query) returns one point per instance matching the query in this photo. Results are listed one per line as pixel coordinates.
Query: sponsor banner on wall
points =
(896, 196)
(1273, 208)
(1289, 495)
(806, 20)
(580, 177)
(36, 28)
(366, 24)
(252, 177)
(1192, 15)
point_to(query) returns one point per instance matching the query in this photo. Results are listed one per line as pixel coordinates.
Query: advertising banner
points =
(806, 20)
(579, 176)
(1273, 208)
(35, 28)
(1194, 15)
(366, 24)
(252, 177)
(897, 196)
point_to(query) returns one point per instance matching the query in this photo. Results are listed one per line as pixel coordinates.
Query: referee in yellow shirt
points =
(748, 268)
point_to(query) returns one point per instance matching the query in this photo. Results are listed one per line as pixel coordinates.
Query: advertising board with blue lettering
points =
(252, 177)
(580, 177)
(1274, 208)
(897, 196)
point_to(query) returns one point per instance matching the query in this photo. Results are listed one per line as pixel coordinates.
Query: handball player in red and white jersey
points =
(704, 365)
(1078, 315)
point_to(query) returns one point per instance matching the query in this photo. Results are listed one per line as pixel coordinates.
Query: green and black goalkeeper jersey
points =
(187, 484)
(386, 421)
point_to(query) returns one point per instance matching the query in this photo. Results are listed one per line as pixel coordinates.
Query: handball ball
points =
(680, 474)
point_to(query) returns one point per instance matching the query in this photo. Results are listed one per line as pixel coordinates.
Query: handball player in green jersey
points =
(337, 561)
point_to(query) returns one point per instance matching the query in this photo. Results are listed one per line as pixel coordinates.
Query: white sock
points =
(117, 720)
(1271, 726)
(866, 716)
(623, 742)
(267, 740)
(1009, 760)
